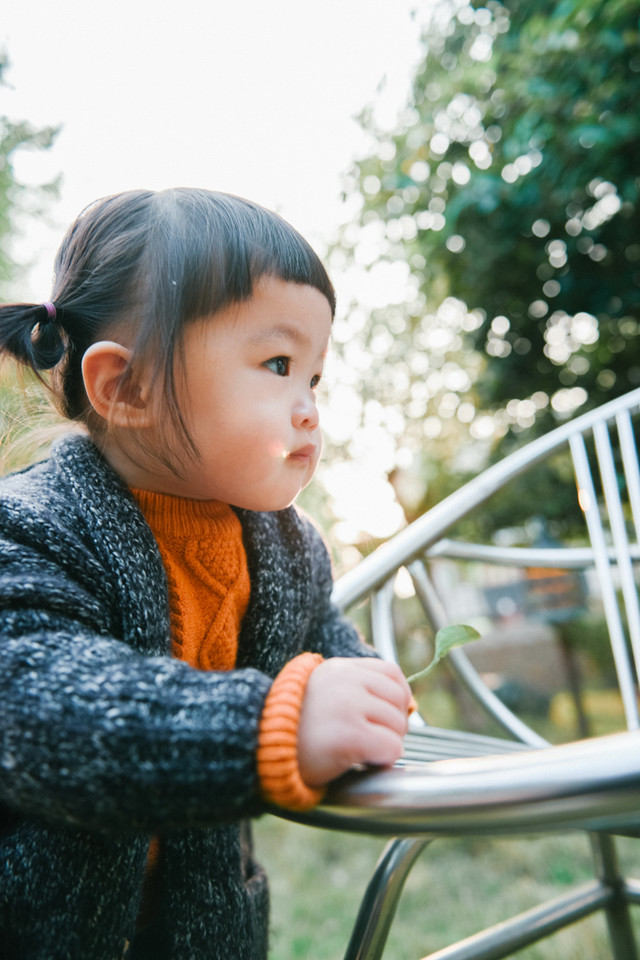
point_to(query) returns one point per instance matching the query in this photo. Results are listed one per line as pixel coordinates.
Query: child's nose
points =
(305, 413)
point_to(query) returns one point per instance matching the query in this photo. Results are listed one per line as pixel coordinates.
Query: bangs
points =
(211, 249)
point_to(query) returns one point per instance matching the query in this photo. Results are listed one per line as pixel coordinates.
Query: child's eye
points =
(315, 380)
(279, 365)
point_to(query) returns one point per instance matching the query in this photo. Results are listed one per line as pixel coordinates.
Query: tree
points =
(509, 189)
(19, 409)
(16, 198)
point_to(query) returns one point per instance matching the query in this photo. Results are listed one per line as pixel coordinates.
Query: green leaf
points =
(455, 635)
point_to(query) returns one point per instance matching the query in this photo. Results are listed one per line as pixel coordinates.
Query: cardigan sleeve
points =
(330, 632)
(96, 734)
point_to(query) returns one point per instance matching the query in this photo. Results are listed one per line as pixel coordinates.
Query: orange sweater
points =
(203, 554)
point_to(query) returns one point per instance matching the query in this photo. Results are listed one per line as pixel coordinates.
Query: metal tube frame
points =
(381, 898)
(593, 785)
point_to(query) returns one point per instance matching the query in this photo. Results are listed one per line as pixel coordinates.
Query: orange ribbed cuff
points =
(280, 779)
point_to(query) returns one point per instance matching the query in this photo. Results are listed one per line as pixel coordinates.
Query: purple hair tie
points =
(51, 310)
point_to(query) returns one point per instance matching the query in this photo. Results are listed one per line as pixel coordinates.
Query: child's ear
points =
(121, 401)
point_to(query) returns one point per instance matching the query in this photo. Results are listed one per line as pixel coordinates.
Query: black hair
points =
(153, 261)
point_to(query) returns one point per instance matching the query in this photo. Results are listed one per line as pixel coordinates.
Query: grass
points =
(28, 422)
(456, 888)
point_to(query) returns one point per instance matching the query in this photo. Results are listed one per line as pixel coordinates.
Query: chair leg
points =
(381, 897)
(618, 916)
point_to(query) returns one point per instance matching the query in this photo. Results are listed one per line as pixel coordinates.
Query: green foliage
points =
(455, 635)
(510, 190)
(16, 198)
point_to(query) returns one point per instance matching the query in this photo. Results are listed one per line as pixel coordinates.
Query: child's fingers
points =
(385, 667)
(388, 682)
(381, 711)
(383, 747)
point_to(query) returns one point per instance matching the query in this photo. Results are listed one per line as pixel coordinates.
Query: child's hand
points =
(354, 711)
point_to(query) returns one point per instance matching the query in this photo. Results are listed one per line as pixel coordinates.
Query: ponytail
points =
(33, 334)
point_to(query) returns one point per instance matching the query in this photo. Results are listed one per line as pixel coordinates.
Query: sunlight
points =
(365, 502)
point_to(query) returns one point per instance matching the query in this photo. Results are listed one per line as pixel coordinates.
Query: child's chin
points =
(268, 504)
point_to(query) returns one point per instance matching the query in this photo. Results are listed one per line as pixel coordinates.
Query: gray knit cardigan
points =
(105, 740)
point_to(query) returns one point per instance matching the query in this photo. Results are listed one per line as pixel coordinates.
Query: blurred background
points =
(470, 173)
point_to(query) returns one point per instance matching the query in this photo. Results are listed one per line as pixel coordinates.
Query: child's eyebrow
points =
(280, 332)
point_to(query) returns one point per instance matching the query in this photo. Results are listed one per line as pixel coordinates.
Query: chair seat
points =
(437, 743)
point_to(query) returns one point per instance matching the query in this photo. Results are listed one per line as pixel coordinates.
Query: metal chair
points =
(458, 783)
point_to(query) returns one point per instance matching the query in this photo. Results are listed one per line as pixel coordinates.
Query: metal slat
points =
(589, 505)
(433, 743)
(619, 533)
(506, 938)
(565, 558)
(629, 453)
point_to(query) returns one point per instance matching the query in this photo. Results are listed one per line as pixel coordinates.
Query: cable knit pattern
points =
(106, 739)
(201, 547)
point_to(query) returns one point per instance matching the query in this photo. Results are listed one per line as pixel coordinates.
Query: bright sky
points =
(252, 97)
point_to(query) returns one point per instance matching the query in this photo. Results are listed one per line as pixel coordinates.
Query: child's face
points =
(248, 397)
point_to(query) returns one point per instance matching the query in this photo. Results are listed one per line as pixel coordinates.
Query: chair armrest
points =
(591, 784)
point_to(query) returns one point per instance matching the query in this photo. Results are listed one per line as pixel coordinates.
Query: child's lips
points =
(303, 454)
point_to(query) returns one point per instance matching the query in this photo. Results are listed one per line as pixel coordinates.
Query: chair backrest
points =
(602, 449)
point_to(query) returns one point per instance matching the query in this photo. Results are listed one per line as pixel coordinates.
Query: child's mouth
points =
(303, 454)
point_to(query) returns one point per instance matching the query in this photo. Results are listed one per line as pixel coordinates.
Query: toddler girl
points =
(171, 661)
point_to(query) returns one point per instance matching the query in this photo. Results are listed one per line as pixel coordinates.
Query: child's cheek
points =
(276, 449)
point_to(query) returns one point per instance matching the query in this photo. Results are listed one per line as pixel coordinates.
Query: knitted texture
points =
(201, 547)
(106, 739)
(280, 778)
